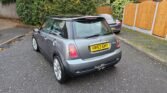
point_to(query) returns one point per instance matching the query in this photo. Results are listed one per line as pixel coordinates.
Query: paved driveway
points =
(6, 23)
(10, 29)
(24, 71)
(7, 34)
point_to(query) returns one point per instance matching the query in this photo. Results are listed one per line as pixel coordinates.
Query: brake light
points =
(73, 51)
(117, 43)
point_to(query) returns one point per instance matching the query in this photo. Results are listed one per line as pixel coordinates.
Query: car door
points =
(44, 33)
(58, 30)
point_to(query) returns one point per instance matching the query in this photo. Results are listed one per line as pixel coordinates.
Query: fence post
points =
(123, 15)
(136, 12)
(155, 15)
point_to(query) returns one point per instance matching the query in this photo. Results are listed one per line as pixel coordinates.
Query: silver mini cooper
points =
(77, 45)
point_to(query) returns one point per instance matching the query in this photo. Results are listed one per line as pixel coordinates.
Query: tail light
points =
(117, 43)
(73, 51)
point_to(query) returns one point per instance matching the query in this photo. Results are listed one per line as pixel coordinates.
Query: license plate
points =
(99, 47)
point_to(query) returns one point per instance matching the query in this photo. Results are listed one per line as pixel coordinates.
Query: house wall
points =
(8, 11)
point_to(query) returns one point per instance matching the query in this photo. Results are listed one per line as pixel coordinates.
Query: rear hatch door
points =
(93, 37)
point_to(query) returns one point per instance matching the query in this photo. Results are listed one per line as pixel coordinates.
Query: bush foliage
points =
(118, 7)
(34, 11)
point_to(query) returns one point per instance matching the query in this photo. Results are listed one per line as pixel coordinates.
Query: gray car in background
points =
(115, 25)
(77, 45)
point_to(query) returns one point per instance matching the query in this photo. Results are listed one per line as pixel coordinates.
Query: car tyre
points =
(117, 32)
(59, 70)
(35, 44)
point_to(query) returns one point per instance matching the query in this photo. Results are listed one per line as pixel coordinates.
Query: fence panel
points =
(129, 14)
(145, 15)
(104, 10)
(144, 0)
(160, 28)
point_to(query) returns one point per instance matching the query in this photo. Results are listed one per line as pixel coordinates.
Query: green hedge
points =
(118, 7)
(34, 11)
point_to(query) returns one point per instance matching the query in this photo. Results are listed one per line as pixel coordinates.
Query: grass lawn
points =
(148, 43)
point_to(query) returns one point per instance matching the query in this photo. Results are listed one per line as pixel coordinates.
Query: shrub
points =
(118, 7)
(76, 7)
(34, 11)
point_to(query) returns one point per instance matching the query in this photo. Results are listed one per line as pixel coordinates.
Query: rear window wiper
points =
(96, 35)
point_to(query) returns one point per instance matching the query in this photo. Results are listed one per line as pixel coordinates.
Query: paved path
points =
(10, 33)
(6, 23)
(24, 71)
(10, 29)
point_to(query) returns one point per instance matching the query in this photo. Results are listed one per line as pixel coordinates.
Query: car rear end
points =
(94, 47)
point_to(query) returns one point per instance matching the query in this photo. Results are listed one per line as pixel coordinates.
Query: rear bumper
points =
(79, 66)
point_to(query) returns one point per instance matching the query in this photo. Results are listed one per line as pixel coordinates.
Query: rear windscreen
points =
(91, 27)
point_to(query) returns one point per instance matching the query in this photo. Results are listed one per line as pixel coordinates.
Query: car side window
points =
(59, 27)
(47, 26)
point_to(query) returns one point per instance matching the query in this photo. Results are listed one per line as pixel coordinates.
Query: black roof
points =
(73, 17)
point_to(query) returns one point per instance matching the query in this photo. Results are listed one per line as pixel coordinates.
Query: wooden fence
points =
(160, 27)
(104, 10)
(149, 16)
(129, 14)
(145, 15)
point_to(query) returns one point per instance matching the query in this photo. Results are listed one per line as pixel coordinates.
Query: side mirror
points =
(36, 30)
